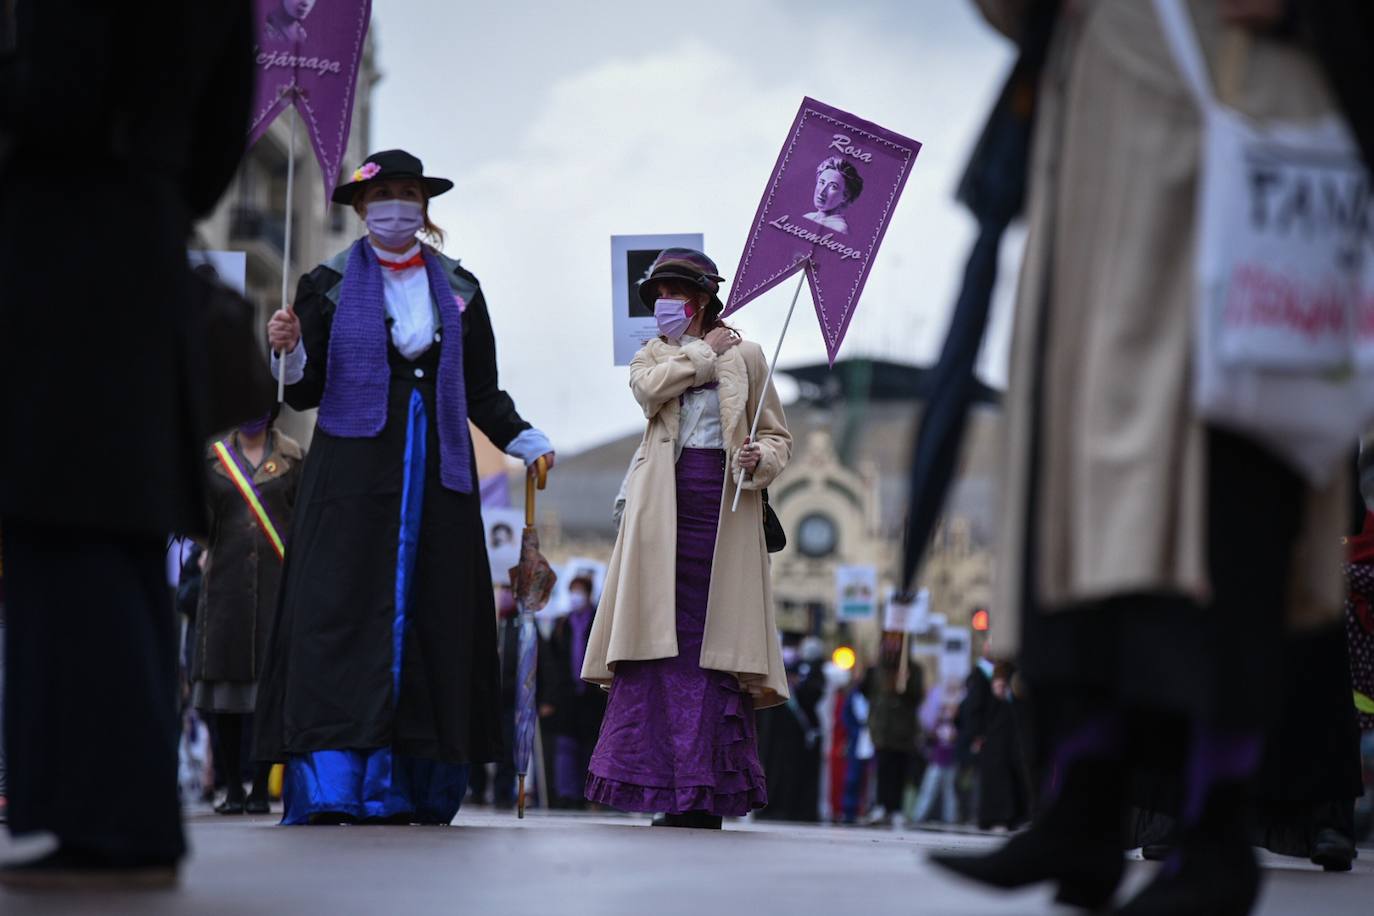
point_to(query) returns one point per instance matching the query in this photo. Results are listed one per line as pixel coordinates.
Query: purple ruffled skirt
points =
(678, 737)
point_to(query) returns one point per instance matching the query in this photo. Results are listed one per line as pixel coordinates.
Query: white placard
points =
(503, 528)
(232, 267)
(856, 592)
(560, 602)
(907, 616)
(631, 256)
(956, 654)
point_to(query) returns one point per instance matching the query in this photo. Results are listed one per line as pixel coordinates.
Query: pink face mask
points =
(673, 317)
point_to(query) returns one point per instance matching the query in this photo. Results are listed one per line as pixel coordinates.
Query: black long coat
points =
(329, 680)
(238, 594)
(119, 125)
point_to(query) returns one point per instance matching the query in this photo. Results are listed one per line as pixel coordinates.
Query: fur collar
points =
(732, 372)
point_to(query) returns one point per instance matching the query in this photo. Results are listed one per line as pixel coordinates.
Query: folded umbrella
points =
(532, 583)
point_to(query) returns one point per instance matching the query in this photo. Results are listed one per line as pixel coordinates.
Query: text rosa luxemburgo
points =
(825, 241)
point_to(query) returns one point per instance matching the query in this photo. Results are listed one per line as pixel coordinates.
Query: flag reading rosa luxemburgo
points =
(307, 53)
(826, 207)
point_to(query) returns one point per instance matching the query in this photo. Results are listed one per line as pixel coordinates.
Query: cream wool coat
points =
(636, 620)
(1107, 272)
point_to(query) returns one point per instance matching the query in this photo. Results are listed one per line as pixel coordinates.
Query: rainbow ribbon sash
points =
(250, 496)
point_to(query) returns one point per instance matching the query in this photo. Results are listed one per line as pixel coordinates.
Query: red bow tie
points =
(416, 260)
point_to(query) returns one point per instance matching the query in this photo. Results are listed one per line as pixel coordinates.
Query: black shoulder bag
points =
(774, 537)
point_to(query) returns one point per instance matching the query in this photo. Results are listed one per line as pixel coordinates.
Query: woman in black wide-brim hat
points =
(382, 683)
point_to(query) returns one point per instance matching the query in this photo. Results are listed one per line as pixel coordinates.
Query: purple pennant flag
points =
(824, 211)
(310, 57)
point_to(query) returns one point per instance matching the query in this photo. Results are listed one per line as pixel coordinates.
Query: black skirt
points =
(328, 682)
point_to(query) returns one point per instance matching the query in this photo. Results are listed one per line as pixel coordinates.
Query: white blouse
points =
(408, 303)
(699, 418)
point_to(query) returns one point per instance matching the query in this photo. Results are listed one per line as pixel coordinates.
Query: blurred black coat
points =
(790, 750)
(120, 123)
(238, 597)
(578, 707)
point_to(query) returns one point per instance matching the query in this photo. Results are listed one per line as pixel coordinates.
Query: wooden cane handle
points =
(539, 479)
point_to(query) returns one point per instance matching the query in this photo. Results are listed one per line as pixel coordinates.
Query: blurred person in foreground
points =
(135, 146)
(1149, 561)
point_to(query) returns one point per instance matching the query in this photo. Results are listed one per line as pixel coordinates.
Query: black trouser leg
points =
(892, 770)
(262, 773)
(91, 663)
(231, 747)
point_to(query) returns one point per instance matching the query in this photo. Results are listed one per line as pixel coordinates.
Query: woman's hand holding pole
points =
(283, 334)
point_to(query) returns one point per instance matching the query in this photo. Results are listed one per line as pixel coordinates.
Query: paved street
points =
(569, 865)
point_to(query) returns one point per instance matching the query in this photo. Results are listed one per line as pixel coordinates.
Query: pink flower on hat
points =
(367, 171)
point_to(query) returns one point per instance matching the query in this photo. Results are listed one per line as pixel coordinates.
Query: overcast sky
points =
(565, 123)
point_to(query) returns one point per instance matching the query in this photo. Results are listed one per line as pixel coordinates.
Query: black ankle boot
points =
(671, 820)
(1333, 850)
(233, 802)
(702, 820)
(1075, 843)
(1212, 870)
(1201, 878)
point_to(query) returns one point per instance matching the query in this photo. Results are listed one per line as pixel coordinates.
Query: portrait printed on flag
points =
(284, 23)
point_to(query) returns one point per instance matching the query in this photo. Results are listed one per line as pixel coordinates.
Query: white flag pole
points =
(754, 428)
(286, 248)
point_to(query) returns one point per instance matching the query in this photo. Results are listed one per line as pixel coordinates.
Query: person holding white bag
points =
(1152, 549)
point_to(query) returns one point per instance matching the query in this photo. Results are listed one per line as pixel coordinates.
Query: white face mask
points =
(672, 317)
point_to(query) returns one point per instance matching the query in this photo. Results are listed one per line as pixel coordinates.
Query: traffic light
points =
(980, 620)
(844, 658)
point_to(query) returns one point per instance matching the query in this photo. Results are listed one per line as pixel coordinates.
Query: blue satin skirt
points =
(378, 784)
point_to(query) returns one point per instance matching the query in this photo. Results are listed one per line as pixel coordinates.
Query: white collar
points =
(393, 256)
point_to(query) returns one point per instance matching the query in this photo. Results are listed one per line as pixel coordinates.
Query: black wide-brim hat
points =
(389, 164)
(688, 265)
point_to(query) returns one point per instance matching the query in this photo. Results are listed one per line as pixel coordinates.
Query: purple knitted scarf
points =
(358, 377)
